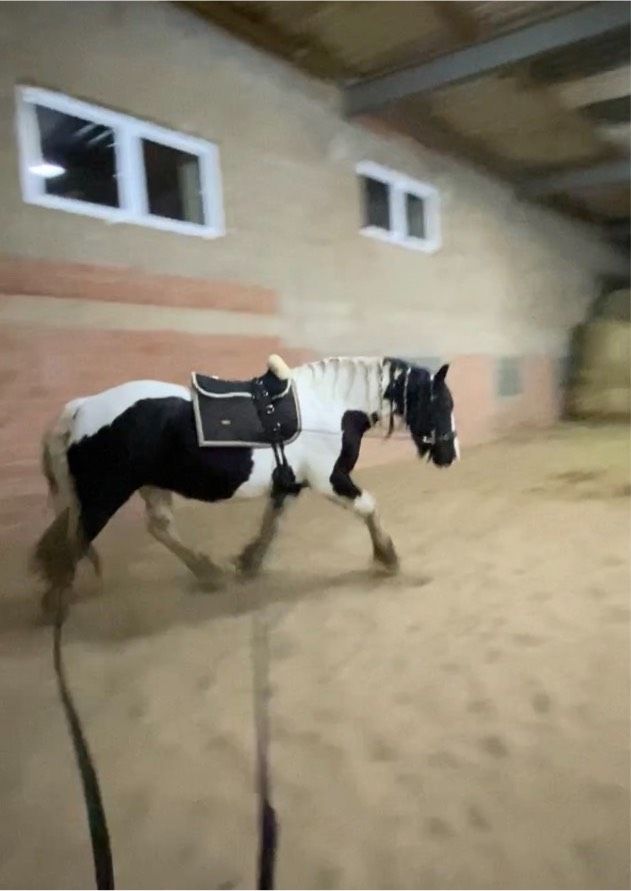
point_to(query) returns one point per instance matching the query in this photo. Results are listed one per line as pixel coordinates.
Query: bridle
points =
(389, 390)
(430, 439)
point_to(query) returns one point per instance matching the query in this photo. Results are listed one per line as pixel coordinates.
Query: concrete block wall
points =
(85, 304)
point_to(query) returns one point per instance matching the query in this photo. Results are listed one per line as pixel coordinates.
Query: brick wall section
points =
(129, 285)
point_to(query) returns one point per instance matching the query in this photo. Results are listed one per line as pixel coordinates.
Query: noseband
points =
(434, 438)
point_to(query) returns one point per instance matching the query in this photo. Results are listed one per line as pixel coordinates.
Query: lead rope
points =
(283, 485)
(97, 822)
(99, 833)
(268, 824)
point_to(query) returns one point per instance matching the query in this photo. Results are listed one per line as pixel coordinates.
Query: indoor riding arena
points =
(195, 187)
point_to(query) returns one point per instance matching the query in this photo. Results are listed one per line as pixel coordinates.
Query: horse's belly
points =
(260, 480)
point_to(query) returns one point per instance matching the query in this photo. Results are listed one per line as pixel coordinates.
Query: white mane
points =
(355, 380)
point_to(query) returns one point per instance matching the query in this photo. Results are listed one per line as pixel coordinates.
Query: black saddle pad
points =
(226, 414)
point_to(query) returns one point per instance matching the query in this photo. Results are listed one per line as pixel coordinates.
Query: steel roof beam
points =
(610, 173)
(473, 61)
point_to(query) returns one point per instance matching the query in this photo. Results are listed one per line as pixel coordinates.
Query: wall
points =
(107, 302)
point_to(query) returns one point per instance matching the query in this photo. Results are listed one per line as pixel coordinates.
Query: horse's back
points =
(92, 413)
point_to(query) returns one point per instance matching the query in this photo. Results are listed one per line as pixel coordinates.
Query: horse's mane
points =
(344, 376)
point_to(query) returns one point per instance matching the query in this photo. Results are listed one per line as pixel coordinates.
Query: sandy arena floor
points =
(464, 725)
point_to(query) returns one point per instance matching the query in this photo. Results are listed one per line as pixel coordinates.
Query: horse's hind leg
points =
(251, 557)
(161, 524)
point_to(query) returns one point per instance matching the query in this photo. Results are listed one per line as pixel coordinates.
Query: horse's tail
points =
(56, 553)
(47, 466)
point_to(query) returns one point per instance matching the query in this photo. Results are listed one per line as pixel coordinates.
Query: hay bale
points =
(602, 385)
(615, 306)
(607, 347)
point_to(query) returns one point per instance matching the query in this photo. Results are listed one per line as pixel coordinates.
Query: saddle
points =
(243, 413)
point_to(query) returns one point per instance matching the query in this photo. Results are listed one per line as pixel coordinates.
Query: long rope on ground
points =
(99, 833)
(268, 824)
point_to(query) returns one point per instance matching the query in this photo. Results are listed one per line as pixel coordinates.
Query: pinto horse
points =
(143, 436)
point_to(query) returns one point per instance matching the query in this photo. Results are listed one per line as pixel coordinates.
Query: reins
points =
(99, 833)
(97, 822)
(268, 824)
(283, 485)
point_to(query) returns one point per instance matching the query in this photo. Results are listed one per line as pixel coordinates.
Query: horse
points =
(143, 436)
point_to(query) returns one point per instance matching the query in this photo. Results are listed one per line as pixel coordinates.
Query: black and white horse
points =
(141, 436)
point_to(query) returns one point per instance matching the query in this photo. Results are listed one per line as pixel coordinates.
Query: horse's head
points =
(426, 405)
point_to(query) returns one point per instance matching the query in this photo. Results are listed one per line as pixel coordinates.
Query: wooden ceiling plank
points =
(250, 25)
(458, 20)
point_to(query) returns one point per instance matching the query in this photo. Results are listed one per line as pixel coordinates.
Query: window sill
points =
(114, 215)
(424, 245)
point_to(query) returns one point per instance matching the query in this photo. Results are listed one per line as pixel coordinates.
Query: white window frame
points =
(130, 171)
(400, 185)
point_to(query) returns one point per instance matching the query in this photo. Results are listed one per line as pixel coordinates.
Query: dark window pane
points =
(173, 183)
(415, 216)
(376, 203)
(78, 158)
(509, 376)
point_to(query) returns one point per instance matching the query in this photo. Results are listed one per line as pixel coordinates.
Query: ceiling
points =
(537, 93)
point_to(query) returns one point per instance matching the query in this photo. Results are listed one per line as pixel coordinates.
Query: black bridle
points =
(426, 432)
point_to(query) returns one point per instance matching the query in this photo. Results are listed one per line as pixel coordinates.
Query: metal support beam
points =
(611, 173)
(473, 61)
(619, 229)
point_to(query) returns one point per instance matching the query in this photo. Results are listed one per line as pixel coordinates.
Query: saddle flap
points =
(226, 413)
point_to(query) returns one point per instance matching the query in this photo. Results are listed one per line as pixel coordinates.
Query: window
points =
(85, 159)
(509, 377)
(398, 209)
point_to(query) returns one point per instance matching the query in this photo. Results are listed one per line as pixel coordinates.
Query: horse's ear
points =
(441, 374)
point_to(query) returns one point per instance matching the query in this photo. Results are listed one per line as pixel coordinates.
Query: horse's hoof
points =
(207, 573)
(208, 585)
(387, 558)
(248, 564)
(390, 568)
(247, 569)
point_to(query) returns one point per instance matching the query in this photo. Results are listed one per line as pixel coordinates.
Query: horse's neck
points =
(354, 384)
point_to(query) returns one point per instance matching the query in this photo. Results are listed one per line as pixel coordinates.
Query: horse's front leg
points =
(251, 558)
(341, 489)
